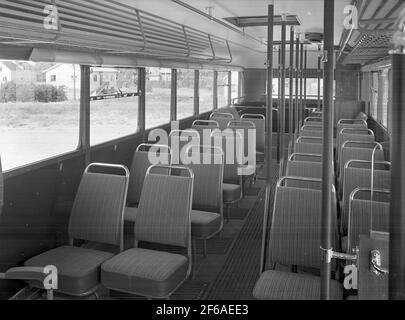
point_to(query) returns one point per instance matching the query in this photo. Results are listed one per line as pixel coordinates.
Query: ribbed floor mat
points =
(216, 245)
(241, 269)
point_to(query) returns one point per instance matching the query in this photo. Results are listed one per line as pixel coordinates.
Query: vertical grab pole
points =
(279, 107)
(397, 208)
(291, 106)
(319, 78)
(301, 83)
(305, 77)
(282, 89)
(269, 139)
(297, 73)
(326, 221)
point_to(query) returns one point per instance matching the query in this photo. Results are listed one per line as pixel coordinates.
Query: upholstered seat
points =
(96, 216)
(279, 285)
(204, 224)
(78, 268)
(294, 240)
(231, 192)
(148, 272)
(163, 217)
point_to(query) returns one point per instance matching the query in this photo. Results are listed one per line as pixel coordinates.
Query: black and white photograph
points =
(200, 158)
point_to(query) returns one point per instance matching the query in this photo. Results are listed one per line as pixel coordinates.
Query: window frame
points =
(58, 158)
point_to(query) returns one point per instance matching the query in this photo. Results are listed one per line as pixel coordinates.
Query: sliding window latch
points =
(375, 263)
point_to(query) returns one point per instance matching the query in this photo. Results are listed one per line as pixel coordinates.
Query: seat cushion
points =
(145, 272)
(130, 214)
(78, 268)
(279, 285)
(204, 224)
(231, 192)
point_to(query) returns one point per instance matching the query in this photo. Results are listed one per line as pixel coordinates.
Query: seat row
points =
(168, 205)
(362, 191)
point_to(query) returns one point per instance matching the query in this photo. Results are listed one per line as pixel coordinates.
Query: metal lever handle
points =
(375, 263)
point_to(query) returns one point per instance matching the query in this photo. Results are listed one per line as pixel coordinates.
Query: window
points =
(113, 104)
(374, 95)
(385, 97)
(312, 88)
(185, 93)
(38, 121)
(158, 93)
(53, 78)
(222, 89)
(95, 78)
(235, 85)
(206, 90)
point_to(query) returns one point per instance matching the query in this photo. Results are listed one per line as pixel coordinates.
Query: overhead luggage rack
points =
(371, 40)
(104, 26)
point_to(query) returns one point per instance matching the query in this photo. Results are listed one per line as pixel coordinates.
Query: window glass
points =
(312, 88)
(39, 111)
(185, 93)
(235, 84)
(222, 89)
(113, 103)
(158, 93)
(385, 98)
(374, 95)
(206, 90)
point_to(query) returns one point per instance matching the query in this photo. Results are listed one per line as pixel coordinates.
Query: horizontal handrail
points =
(371, 133)
(107, 165)
(150, 145)
(291, 157)
(222, 115)
(348, 163)
(253, 116)
(206, 123)
(244, 124)
(170, 168)
(353, 120)
(374, 143)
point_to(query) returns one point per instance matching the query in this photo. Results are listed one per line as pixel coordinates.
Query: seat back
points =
(139, 166)
(366, 214)
(295, 235)
(310, 145)
(201, 125)
(208, 178)
(260, 123)
(231, 144)
(233, 111)
(363, 135)
(356, 176)
(311, 131)
(313, 121)
(165, 207)
(354, 153)
(222, 119)
(351, 124)
(248, 131)
(179, 141)
(1, 189)
(304, 169)
(98, 209)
